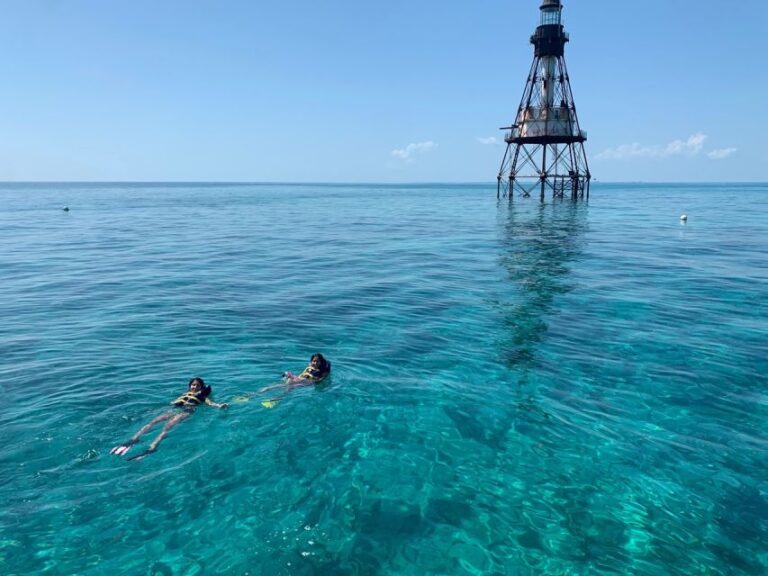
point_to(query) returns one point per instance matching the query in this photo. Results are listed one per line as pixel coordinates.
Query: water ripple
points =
(518, 388)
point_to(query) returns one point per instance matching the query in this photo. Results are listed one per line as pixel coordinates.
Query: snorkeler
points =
(198, 392)
(318, 370)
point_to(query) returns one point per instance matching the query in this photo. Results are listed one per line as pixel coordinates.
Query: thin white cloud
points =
(721, 153)
(488, 140)
(690, 147)
(406, 154)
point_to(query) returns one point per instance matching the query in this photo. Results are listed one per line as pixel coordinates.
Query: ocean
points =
(518, 388)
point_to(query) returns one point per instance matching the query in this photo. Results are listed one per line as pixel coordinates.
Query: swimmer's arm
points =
(216, 404)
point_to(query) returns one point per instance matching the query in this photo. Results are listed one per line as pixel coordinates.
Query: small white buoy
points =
(684, 218)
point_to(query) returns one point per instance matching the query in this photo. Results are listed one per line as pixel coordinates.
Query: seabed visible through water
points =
(524, 388)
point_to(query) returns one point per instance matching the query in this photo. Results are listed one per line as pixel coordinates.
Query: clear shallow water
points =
(526, 389)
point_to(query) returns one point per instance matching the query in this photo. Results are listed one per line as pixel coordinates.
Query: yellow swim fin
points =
(269, 403)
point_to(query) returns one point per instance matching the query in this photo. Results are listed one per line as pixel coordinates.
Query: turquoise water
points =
(517, 389)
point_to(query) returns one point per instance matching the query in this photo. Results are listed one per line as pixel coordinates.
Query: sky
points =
(360, 91)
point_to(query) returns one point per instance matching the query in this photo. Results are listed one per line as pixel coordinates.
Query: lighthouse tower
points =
(545, 144)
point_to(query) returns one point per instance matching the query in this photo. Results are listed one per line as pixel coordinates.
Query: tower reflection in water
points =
(538, 244)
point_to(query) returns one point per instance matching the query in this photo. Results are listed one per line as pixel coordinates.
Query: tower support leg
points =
(543, 169)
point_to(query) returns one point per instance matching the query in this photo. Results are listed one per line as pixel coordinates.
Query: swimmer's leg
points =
(172, 421)
(125, 446)
(282, 384)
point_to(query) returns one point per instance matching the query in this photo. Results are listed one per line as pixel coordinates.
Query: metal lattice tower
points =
(545, 145)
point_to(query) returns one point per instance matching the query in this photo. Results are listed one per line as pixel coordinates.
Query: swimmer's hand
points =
(222, 405)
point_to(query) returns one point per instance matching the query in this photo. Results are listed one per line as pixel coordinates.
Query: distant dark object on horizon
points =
(66, 208)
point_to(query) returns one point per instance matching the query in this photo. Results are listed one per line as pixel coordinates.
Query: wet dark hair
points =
(326, 366)
(205, 389)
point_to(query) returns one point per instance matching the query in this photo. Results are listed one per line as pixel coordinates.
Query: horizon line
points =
(359, 183)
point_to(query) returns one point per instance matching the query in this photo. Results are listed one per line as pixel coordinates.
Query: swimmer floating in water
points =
(318, 370)
(198, 392)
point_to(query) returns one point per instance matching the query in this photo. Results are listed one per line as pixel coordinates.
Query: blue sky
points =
(397, 91)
